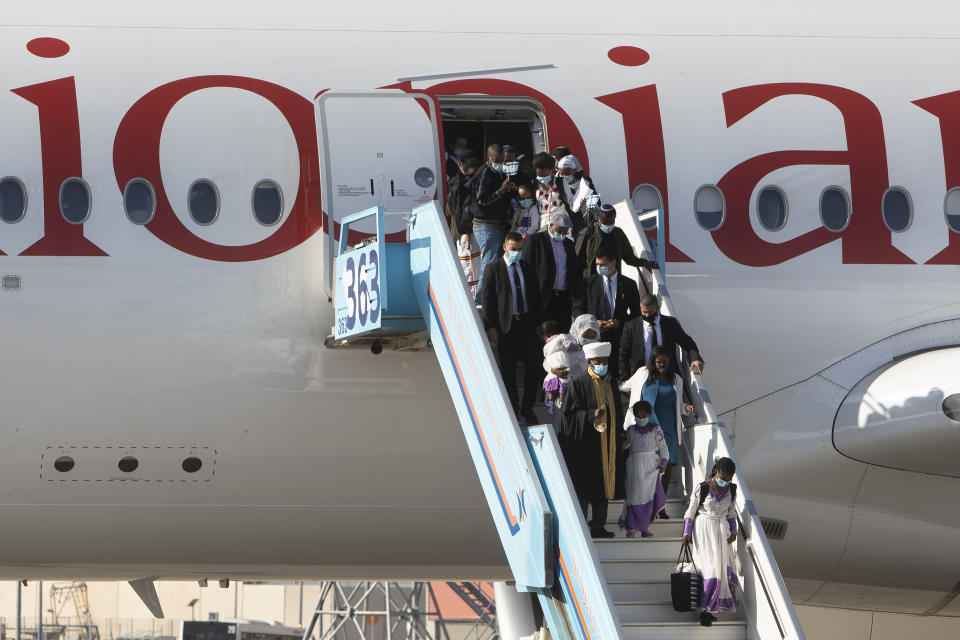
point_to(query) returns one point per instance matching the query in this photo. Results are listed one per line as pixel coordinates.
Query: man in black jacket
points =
(491, 209)
(607, 237)
(553, 256)
(511, 302)
(612, 298)
(650, 330)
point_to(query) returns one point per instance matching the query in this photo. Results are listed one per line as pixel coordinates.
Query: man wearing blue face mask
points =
(590, 437)
(511, 304)
(491, 209)
(612, 298)
(607, 237)
(553, 256)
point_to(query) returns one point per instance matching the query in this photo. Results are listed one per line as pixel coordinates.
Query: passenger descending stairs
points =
(638, 576)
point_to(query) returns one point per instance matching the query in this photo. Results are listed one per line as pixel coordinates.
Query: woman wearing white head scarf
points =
(577, 188)
(584, 325)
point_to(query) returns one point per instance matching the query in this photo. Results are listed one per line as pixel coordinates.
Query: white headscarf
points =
(581, 324)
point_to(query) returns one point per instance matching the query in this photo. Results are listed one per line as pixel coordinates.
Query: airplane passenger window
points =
(646, 198)
(951, 407)
(710, 207)
(63, 464)
(897, 209)
(951, 209)
(267, 202)
(192, 464)
(772, 208)
(75, 200)
(204, 202)
(835, 208)
(13, 200)
(139, 201)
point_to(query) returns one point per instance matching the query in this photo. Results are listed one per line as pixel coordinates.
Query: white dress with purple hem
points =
(647, 450)
(712, 554)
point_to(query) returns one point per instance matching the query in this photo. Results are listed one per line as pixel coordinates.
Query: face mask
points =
(661, 369)
(588, 340)
(526, 203)
(651, 318)
(557, 236)
(513, 256)
(720, 482)
(600, 369)
(568, 179)
(603, 271)
(642, 422)
(544, 179)
(607, 228)
(456, 153)
(496, 166)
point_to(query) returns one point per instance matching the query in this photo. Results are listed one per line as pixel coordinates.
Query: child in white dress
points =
(711, 519)
(647, 458)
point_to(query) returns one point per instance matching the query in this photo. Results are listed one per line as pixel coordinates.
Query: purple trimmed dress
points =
(713, 555)
(647, 449)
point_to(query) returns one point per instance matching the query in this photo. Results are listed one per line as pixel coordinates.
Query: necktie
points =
(610, 300)
(653, 336)
(517, 289)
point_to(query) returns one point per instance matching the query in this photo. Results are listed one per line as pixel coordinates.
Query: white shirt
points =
(514, 267)
(647, 331)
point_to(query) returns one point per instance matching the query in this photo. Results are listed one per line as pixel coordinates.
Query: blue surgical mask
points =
(526, 203)
(720, 482)
(513, 256)
(496, 166)
(600, 369)
(607, 228)
(456, 153)
(642, 422)
(544, 179)
(557, 236)
(568, 179)
(588, 340)
(603, 271)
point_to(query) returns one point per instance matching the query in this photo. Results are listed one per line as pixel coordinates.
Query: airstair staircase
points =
(412, 295)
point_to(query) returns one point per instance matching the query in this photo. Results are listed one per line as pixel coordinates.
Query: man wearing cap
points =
(525, 169)
(607, 237)
(590, 438)
(577, 187)
(554, 257)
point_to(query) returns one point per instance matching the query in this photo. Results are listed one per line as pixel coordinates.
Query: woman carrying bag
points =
(710, 523)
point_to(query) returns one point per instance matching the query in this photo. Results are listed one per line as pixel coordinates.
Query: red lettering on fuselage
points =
(646, 154)
(946, 108)
(866, 240)
(60, 153)
(136, 153)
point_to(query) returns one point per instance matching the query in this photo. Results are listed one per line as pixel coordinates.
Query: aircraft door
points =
(378, 147)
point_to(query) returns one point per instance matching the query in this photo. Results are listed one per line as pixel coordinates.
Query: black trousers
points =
(520, 346)
(559, 308)
(598, 520)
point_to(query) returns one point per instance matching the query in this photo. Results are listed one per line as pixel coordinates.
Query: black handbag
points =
(686, 583)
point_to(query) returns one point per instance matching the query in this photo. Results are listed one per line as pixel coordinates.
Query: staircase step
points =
(675, 508)
(662, 611)
(733, 630)
(639, 590)
(638, 548)
(627, 570)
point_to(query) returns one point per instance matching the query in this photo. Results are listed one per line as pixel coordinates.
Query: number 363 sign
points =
(358, 299)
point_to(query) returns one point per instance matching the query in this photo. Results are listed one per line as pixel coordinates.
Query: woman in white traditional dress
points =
(711, 519)
(647, 456)
(585, 329)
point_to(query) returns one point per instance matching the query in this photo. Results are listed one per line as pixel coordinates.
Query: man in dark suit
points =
(650, 330)
(511, 305)
(554, 258)
(607, 236)
(610, 296)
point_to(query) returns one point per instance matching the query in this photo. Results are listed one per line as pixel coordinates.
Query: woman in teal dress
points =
(664, 391)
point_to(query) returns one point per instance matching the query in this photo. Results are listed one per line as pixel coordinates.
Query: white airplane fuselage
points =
(174, 339)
